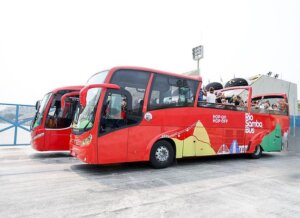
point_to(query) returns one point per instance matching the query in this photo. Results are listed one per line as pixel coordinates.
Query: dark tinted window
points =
(59, 117)
(169, 91)
(122, 108)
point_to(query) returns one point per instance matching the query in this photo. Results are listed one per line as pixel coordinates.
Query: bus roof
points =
(67, 88)
(198, 78)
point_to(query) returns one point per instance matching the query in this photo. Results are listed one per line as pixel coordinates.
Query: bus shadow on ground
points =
(141, 175)
(53, 157)
(145, 166)
(50, 155)
(111, 169)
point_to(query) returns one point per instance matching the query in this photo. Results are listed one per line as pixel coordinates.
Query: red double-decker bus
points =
(50, 129)
(137, 114)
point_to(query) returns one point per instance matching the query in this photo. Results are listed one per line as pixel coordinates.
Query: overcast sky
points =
(48, 44)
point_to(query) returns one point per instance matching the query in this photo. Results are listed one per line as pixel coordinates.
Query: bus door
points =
(112, 143)
(120, 132)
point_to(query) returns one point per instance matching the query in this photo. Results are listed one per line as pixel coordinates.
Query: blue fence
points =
(295, 121)
(15, 122)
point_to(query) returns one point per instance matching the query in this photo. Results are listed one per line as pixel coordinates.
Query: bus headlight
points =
(87, 140)
(38, 136)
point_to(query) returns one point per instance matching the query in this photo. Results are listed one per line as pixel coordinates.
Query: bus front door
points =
(113, 134)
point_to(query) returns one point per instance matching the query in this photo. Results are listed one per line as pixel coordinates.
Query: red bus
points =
(139, 114)
(50, 129)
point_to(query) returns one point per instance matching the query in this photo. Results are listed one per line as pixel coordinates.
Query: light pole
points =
(197, 55)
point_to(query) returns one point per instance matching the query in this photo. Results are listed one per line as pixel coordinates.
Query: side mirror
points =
(67, 95)
(38, 104)
(83, 92)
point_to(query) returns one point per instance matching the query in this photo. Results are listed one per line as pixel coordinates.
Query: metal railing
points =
(15, 121)
(295, 121)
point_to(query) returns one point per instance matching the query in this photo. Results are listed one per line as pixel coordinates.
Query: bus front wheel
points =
(257, 153)
(162, 154)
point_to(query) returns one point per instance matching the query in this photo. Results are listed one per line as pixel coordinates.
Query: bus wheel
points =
(257, 153)
(162, 154)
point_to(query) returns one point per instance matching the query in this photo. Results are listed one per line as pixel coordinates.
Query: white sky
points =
(48, 44)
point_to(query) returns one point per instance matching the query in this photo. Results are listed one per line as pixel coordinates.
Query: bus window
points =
(269, 104)
(51, 121)
(40, 112)
(114, 112)
(167, 92)
(232, 99)
(123, 107)
(57, 117)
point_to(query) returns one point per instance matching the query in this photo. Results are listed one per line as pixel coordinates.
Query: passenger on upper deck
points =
(240, 101)
(210, 96)
(283, 105)
(267, 105)
(201, 93)
(237, 101)
(219, 97)
(275, 107)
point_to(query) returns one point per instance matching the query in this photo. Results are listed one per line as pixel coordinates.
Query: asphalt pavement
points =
(54, 184)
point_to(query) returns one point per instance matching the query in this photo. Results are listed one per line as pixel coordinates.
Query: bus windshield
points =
(84, 117)
(40, 112)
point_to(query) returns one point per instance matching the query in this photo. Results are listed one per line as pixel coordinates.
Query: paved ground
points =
(56, 185)
(294, 140)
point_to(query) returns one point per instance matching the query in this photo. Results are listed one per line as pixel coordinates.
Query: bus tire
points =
(257, 153)
(162, 154)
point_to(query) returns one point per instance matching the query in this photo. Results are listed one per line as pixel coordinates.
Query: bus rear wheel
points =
(257, 153)
(162, 154)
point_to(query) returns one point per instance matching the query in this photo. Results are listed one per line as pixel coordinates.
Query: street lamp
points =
(197, 55)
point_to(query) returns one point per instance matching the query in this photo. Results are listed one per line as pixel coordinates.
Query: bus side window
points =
(270, 105)
(124, 107)
(169, 92)
(114, 112)
(51, 121)
(235, 100)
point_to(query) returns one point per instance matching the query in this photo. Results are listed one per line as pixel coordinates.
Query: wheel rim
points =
(162, 154)
(257, 150)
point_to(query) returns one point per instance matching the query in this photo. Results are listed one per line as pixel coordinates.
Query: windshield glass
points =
(40, 112)
(97, 78)
(270, 104)
(84, 117)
